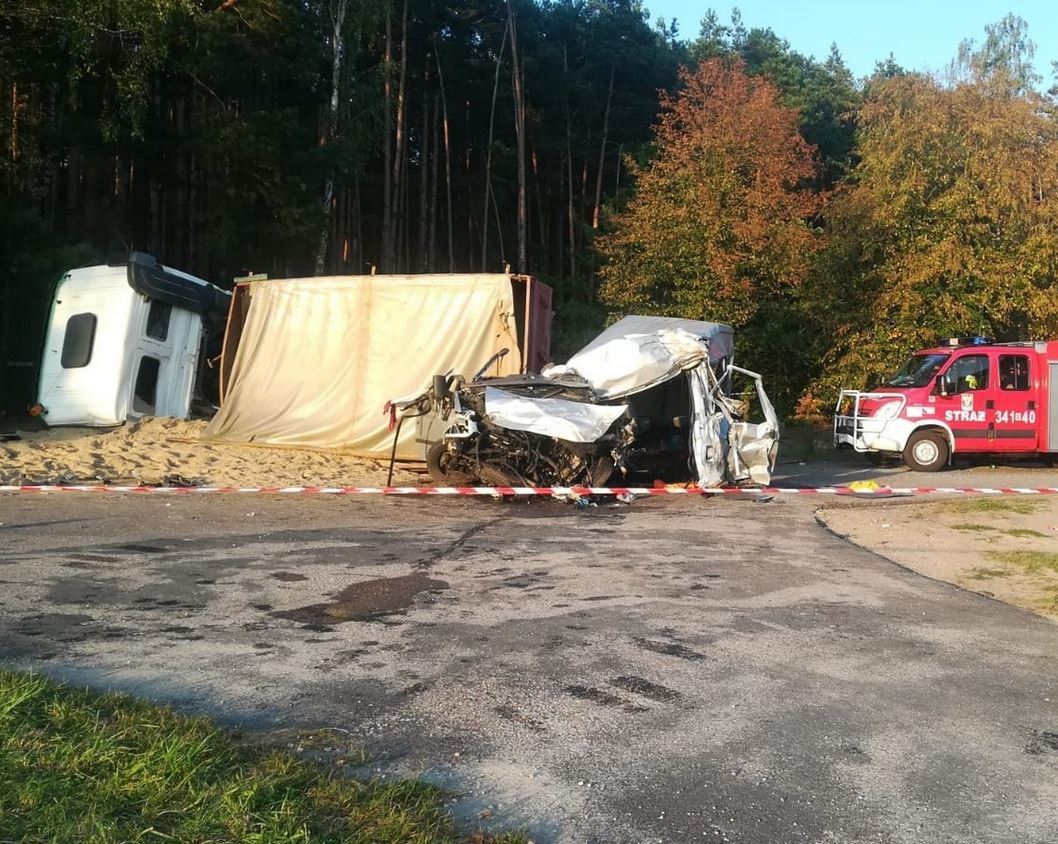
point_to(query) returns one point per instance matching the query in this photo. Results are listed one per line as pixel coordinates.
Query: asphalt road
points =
(673, 670)
(840, 468)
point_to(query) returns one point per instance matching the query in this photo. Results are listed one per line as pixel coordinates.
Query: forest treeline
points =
(836, 222)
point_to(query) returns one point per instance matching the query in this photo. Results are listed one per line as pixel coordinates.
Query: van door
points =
(965, 400)
(1016, 402)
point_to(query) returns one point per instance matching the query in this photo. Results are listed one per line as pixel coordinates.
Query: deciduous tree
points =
(720, 227)
(946, 228)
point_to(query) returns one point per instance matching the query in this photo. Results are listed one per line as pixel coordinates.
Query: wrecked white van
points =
(122, 342)
(650, 396)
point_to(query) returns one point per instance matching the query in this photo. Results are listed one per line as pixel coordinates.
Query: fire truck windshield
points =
(918, 371)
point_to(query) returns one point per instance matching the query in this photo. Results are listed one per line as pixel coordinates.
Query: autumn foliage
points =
(720, 227)
(946, 227)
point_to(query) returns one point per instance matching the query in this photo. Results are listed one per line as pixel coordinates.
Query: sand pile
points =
(170, 452)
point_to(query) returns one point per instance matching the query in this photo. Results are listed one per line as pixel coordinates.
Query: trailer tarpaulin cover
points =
(320, 357)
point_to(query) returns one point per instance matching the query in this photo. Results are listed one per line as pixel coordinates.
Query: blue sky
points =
(923, 35)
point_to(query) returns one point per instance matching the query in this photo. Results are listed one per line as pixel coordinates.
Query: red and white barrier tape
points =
(556, 491)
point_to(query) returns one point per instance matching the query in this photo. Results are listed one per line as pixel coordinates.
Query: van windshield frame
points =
(918, 370)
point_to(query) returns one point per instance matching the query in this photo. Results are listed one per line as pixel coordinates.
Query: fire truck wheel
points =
(926, 451)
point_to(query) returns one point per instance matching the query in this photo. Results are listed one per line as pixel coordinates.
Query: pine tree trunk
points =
(541, 219)
(13, 138)
(602, 153)
(359, 244)
(424, 173)
(569, 210)
(488, 155)
(387, 184)
(331, 123)
(448, 160)
(571, 233)
(434, 179)
(397, 224)
(519, 128)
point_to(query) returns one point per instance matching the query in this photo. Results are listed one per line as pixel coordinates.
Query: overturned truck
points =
(651, 396)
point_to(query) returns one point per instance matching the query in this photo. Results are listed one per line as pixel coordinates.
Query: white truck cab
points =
(123, 342)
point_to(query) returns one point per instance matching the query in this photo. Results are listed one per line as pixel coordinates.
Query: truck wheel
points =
(926, 451)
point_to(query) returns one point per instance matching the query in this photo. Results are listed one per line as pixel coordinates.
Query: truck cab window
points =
(967, 374)
(1014, 372)
(158, 320)
(78, 340)
(917, 371)
(144, 393)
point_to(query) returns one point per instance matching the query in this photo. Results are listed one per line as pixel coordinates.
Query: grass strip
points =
(1030, 561)
(1023, 506)
(85, 767)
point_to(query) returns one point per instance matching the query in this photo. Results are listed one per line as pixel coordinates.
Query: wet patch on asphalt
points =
(524, 581)
(516, 716)
(668, 649)
(51, 624)
(644, 688)
(95, 558)
(364, 601)
(1042, 741)
(288, 576)
(599, 696)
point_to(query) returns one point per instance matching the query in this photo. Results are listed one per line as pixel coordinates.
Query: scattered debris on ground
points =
(170, 452)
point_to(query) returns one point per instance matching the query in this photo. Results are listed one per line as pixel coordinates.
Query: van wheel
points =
(444, 467)
(926, 451)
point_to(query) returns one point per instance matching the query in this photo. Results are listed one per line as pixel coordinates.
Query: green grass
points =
(973, 527)
(1022, 506)
(1049, 601)
(1030, 561)
(1025, 532)
(987, 574)
(82, 767)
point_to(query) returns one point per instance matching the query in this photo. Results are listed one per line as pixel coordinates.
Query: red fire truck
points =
(967, 395)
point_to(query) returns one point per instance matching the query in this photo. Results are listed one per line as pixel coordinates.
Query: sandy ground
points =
(1005, 548)
(170, 452)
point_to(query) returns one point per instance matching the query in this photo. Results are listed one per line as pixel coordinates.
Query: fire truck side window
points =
(967, 373)
(1013, 372)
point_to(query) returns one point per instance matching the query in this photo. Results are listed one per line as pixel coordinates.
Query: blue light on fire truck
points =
(975, 340)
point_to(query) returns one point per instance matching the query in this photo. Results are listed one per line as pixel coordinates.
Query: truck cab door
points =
(965, 399)
(1016, 402)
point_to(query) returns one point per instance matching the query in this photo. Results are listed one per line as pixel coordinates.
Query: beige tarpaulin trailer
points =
(313, 361)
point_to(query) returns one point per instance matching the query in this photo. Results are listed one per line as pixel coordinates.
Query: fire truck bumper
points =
(865, 434)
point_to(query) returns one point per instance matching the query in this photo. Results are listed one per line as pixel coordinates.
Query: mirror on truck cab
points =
(943, 385)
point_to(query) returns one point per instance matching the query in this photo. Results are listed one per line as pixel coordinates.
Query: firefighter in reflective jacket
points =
(971, 382)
